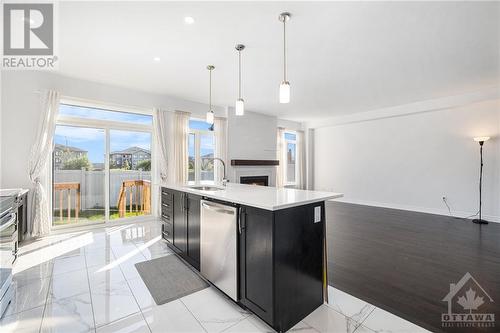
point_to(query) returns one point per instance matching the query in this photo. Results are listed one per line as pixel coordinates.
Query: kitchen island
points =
(262, 246)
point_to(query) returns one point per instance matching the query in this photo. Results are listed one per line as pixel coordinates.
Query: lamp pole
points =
(480, 220)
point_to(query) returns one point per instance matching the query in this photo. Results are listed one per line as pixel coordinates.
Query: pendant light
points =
(240, 103)
(210, 113)
(285, 85)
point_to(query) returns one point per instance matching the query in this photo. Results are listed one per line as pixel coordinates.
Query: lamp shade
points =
(285, 92)
(210, 117)
(481, 138)
(240, 107)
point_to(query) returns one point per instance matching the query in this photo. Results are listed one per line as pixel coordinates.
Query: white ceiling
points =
(343, 57)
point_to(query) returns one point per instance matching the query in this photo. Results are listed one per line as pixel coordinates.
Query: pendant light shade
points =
(240, 107)
(210, 112)
(285, 85)
(285, 92)
(210, 117)
(240, 103)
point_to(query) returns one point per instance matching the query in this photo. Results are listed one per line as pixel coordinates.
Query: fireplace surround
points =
(255, 180)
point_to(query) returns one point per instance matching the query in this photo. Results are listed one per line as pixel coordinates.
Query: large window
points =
(101, 165)
(200, 151)
(291, 153)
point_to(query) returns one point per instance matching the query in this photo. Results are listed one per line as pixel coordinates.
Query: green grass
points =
(90, 215)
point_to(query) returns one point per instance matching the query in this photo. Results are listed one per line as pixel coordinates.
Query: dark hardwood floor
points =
(404, 262)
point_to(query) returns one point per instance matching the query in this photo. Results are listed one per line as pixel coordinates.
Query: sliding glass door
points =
(101, 167)
(78, 175)
(130, 174)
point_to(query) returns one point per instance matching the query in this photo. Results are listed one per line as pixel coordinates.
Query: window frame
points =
(197, 149)
(285, 168)
(107, 126)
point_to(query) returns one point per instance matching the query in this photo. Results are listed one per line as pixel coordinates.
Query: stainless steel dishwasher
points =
(218, 262)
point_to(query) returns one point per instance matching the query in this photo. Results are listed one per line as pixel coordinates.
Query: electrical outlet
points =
(444, 198)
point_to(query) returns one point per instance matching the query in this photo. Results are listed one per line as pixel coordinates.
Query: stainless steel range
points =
(8, 249)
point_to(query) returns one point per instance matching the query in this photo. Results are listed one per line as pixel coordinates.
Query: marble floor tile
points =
(348, 305)
(68, 264)
(29, 296)
(131, 324)
(214, 311)
(72, 314)
(99, 258)
(245, 326)
(325, 319)
(141, 293)
(113, 302)
(102, 277)
(69, 284)
(363, 329)
(23, 322)
(301, 327)
(28, 274)
(172, 317)
(382, 321)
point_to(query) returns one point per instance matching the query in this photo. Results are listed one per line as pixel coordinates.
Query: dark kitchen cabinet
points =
(256, 261)
(193, 229)
(281, 256)
(182, 220)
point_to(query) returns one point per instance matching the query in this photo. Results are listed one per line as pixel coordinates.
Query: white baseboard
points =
(444, 212)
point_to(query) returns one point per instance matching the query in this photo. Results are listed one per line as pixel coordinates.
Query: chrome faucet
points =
(224, 179)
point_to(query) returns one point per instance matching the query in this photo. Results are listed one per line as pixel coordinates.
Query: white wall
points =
(411, 161)
(252, 136)
(20, 113)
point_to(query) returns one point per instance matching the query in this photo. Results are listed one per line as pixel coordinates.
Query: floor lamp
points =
(481, 141)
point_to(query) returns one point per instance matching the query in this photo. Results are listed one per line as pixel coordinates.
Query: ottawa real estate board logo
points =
(28, 36)
(468, 303)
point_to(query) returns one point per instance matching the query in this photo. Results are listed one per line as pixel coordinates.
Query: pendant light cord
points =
(239, 74)
(210, 91)
(284, 50)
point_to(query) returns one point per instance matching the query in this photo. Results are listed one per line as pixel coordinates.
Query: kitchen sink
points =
(206, 188)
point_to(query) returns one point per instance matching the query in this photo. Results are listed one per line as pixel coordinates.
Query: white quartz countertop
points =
(265, 197)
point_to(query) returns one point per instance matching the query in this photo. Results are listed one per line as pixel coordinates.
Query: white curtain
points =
(178, 164)
(40, 155)
(300, 160)
(281, 157)
(220, 133)
(161, 122)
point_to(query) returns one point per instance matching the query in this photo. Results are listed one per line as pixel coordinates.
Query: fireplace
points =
(255, 180)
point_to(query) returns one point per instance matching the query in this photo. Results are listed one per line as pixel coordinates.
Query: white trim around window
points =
(285, 169)
(107, 126)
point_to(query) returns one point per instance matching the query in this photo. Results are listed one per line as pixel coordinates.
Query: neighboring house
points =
(131, 156)
(64, 153)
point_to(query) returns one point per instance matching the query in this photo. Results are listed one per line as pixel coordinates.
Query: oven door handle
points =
(9, 223)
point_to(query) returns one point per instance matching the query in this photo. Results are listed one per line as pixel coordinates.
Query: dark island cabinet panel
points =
(298, 255)
(181, 224)
(256, 261)
(193, 229)
(281, 258)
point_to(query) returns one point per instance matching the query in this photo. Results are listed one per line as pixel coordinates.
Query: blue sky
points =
(207, 141)
(93, 140)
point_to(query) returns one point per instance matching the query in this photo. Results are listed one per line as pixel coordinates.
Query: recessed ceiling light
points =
(157, 59)
(189, 20)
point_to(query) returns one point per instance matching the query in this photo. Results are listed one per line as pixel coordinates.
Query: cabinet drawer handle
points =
(165, 216)
(165, 205)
